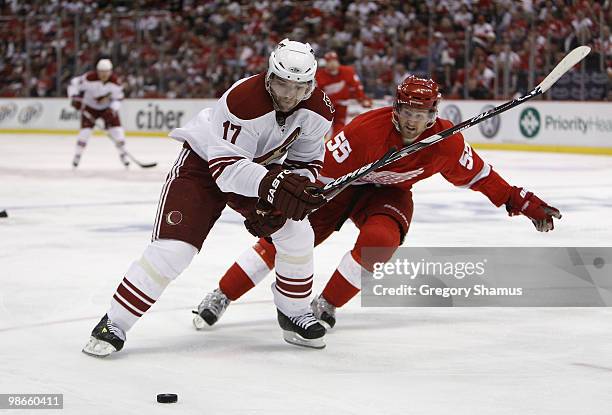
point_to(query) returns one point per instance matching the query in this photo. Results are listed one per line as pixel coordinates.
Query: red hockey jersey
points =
(370, 135)
(342, 86)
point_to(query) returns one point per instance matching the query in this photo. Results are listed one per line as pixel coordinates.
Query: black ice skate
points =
(210, 309)
(302, 330)
(106, 338)
(124, 160)
(323, 311)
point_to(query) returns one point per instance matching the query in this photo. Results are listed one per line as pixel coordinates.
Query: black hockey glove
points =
(291, 194)
(76, 103)
(264, 220)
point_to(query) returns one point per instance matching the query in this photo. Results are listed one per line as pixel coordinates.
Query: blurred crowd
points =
(187, 49)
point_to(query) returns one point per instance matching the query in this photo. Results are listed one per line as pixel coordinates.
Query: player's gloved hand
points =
(524, 202)
(108, 114)
(291, 194)
(264, 220)
(76, 103)
(366, 102)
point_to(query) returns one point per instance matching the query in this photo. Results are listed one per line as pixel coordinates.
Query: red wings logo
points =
(390, 177)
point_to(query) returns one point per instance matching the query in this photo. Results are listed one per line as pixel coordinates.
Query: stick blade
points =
(565, 65)
(147, 165)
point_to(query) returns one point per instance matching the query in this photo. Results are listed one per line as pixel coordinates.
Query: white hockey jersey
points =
(95, 93)
(242, 133)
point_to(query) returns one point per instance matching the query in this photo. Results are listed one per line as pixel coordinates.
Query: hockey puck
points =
(599, 262)
(3, 214)
(167, 397)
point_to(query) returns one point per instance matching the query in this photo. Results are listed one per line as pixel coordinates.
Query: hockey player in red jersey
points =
(340, 83)
(98, 94)
(380, 204)
(231, 156)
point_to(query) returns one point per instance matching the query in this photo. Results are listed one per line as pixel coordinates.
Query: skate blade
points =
(297, 340)
(198, 322)
(98, 348)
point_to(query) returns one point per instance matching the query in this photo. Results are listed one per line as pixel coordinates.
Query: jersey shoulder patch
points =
(114, 80)
(320, 103)
(250, 99)
(92, 76)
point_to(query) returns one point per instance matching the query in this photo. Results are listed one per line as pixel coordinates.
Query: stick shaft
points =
(334, 187)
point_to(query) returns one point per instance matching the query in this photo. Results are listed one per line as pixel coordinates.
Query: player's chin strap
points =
(334, 187)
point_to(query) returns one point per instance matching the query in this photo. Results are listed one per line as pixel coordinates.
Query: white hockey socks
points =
(294, 244)
(81, 143)
(162, 261)
(118, 136)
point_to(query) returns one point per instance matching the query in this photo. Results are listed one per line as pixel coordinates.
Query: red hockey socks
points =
(235, 282)
(250, 268)
(379, 231)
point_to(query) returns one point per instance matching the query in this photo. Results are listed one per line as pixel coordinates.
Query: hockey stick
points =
(87, 115)
(140, 163)
(334, 187)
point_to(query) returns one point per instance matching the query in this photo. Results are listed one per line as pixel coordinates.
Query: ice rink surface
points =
(71, 235)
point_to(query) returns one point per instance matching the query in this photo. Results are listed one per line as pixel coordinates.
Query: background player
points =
(98, 94)
(380, 204)
(340, 83)
(259, 121)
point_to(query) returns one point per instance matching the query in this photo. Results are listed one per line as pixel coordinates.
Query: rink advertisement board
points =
(486, 276)
(535, 123)
(138, 116)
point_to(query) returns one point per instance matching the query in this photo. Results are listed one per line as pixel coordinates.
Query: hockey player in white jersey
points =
(98, 94)
(234, 154)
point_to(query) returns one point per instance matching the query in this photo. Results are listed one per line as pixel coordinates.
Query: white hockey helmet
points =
(294, 61)
(104, 65)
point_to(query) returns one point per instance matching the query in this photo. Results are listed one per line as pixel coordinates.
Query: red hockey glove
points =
(290, 193)
(523, 202)
(76, 103)
(264, 220)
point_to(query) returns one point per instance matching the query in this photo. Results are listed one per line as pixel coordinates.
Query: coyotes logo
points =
(279, 151)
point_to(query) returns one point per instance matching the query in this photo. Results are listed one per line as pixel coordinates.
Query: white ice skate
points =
(106, 338)
(323, 311)
(210, 309)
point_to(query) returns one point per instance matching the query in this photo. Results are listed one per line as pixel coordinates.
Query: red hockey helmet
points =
(417, 93)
